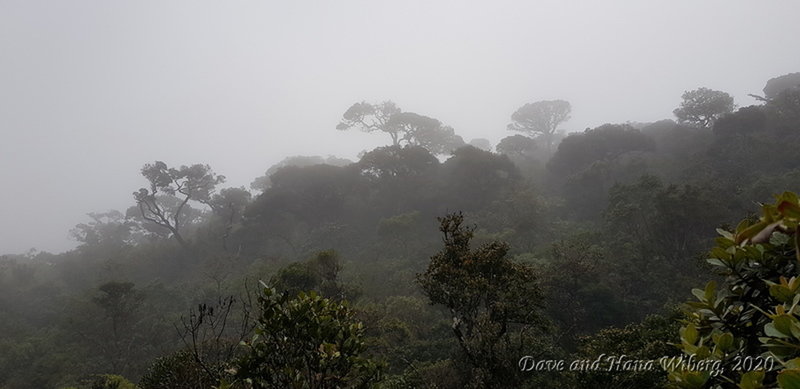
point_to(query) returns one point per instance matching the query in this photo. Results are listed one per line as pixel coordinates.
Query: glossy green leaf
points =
(789, 379)
(752, 380)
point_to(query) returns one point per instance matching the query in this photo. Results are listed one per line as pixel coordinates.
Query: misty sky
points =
(92, 90)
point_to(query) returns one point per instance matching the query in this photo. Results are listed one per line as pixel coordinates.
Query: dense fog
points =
(92, 90)
(399, 194)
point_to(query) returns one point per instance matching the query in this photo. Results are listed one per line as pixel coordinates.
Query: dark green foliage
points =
(296, 277)
(615, 227)
(582, 277)
(305, 341)
(407, 332)
(111, 382)
(177, 371)
(651, 339)
(494, 303)
(104, 381)
(665, 221)
(320, 274)
(119, 300)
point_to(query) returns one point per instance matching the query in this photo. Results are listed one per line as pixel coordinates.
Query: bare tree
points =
(212, 332)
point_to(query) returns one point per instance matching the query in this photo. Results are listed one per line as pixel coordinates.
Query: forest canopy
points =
(430, 262)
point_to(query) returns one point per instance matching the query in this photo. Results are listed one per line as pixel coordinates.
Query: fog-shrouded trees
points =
(588, 164)
(541, 119)
(473, 178)
(263, 183)
(405, 128)
(702, 107)
(744, 121)
(228, 205)
(779, 84)
(120, 302)
(426, 132)
(516, 146)
(371, 118)
(786, 107)
(320, 274)
(305, 204)
(395, 161)
(612, 225)
(481, 143)
(107, 230)
(187, 183)
(494, 303)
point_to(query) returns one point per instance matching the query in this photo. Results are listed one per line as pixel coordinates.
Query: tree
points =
(119, 301)
(196, 182)
(702, 107)
(651, 339)
(109, 381)
(229, 205)
(473, 178)
(305, 341)
(405, 128)
(371, 117)
(526, 153)
(607, 142)
(395, 161)
(579, 276)
(319, 273)
(541, 118)
(517, 146)
(263, 183)
(779, 84)
(481, 143)
(305, 209)
(494, 303)
(179, 370)
(425, 131)
(211, 335)
(107, 229)
(587, 164)
(786, 107)
(746, 120)
(665, 221)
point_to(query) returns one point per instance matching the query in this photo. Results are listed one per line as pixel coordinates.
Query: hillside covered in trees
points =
(433, 262)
